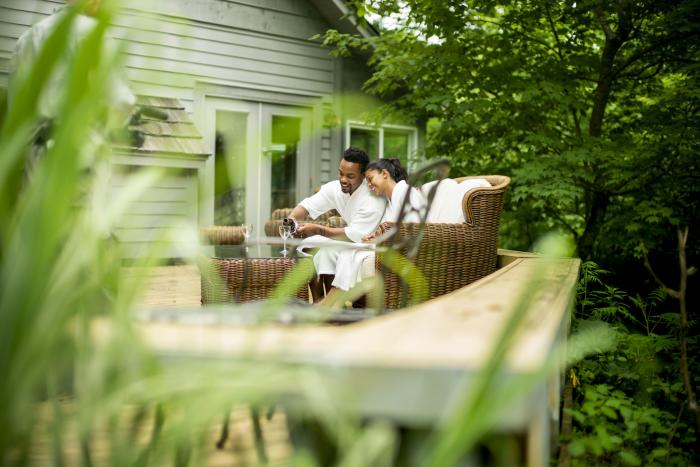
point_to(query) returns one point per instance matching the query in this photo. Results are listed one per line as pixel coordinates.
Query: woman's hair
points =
(393, 166)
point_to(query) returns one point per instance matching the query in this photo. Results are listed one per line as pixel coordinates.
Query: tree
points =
(567, 96)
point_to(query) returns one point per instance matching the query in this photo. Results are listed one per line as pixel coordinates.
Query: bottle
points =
(291, 223)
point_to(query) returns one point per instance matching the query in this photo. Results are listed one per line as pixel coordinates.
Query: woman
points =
(385, 177)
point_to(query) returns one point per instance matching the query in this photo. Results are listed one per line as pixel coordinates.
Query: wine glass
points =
(285, 233)
(247, 231)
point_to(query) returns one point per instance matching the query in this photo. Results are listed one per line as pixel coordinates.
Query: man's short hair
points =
(357, 156)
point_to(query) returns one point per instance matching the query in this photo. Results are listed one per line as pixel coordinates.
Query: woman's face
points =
(377, 181)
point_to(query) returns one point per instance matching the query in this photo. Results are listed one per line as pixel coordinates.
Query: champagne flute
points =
(246, 230)
(285, 233)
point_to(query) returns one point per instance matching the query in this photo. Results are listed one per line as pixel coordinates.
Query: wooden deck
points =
(173, 287)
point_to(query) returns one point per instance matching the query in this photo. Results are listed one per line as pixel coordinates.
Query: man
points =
(349, 195)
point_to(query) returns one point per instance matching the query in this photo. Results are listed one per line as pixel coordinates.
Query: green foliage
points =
(616, 430)
(629, 405)
(591, 106)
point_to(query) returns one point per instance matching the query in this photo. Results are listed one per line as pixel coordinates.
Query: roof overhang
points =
(341, 18)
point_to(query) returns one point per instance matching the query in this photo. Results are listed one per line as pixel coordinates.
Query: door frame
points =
(258, 166)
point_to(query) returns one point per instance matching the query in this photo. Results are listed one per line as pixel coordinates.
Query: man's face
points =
(349, 176)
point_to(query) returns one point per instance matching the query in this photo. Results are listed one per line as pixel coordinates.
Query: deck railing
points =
(414, 366)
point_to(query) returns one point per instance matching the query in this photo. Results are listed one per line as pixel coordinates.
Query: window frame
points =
(410, 130)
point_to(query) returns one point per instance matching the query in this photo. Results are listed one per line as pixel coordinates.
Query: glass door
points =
(286, 154)
(262, 159)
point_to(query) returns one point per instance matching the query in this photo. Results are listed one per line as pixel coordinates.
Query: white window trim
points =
(411, 130)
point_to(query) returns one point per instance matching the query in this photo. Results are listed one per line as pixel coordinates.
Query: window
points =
(387, 141)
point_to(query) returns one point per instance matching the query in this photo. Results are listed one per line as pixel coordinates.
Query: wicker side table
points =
(235, 275)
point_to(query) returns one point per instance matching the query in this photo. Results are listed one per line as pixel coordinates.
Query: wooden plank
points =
(37, 6)
(239, 450)
(423, 353)
(177, 286)
(294, 7)
(121, 179)
(165, 194)
(220, 67)
(215, 32)
(176, 129)
(155, 234)
(20, 17)
(180, 80)
(238, 47)
(151, 88)
(275, 74)
(5, 64)
(174, 145)
(11, 30)
(159, 102)
(152, 207)
(154, 220)
(237, 16)
(7, 44)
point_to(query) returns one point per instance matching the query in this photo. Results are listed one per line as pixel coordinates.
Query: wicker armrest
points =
(336, 221)
(222, 235)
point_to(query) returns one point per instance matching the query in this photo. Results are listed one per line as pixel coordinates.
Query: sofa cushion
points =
(447, 204)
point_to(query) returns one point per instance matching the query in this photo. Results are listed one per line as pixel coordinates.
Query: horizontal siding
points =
(258, 16)
(221, 41)
(159, 213)
(233, 45)
(45, 7)
(220, 68)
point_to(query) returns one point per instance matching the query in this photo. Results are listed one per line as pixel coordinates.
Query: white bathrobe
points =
(362, 211)
(349, 262)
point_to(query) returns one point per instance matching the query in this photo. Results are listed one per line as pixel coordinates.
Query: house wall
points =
(176, 47)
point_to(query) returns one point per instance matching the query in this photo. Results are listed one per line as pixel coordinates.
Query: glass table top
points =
(265, 248)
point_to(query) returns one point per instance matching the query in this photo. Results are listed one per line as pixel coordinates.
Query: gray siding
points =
(170, 46)
(173, 46)
(159, 213)
(220, 41)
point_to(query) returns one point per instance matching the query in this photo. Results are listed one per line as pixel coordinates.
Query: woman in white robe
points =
(385, 177)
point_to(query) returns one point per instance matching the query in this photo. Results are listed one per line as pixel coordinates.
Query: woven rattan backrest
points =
(451, 256)
(479, 204)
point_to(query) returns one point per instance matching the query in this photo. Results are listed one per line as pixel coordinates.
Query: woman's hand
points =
(383, 227)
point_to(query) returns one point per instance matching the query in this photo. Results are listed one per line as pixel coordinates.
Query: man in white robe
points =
(349, 195)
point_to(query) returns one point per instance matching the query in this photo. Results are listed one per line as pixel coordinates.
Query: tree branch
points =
(654, 48)
(680, 295)
(609, 33)
(667, 289)
(554, 32)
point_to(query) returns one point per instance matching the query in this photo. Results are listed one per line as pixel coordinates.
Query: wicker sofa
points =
(452, 255)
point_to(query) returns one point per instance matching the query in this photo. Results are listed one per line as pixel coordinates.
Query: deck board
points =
(175, 287)
(170, 286)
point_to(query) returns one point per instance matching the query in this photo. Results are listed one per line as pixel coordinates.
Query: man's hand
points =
(307, 230)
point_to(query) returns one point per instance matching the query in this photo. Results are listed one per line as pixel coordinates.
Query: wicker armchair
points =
(451, 256)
